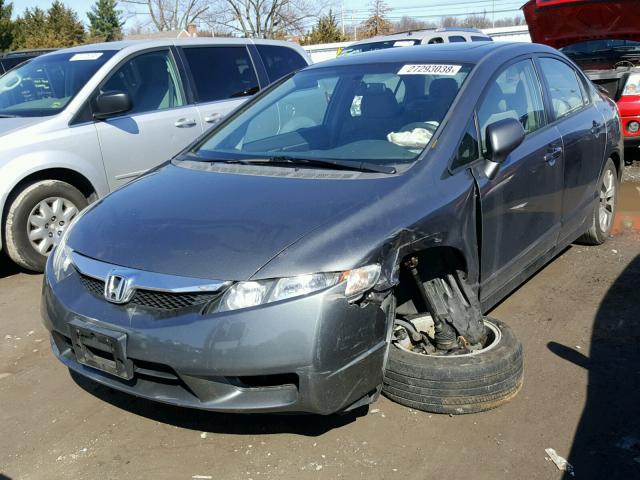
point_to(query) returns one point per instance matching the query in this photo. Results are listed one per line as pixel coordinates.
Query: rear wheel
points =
(601, 221)
(36, 220)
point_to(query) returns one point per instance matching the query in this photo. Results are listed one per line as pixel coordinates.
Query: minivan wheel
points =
(36, 220)
(601, 221)
(456, 384)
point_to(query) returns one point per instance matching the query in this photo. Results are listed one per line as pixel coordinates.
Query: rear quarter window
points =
(280, 61)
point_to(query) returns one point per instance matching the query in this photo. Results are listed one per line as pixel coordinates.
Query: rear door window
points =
(280, 61)
(564, 88)
(456, 39)
(220, 73)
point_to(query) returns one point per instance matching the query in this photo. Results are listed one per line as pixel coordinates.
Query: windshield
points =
(368, 47)
(45, 85)
(379, 113)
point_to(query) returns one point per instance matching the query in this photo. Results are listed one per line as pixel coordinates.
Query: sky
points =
(353, 11)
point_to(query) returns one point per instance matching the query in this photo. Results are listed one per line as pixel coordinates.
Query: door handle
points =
(185, 123)
(552, 155)
(595, 127)
(213, 118)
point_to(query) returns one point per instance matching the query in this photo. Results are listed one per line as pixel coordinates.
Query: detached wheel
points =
(36, 220)
(601, 221)
(457, 384)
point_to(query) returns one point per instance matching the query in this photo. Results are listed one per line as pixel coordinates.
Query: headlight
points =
(61, 262)
(632, 87)
(633, 127)
(258, 292)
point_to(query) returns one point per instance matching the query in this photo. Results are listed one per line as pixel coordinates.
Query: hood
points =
(207, 224)
(559, 23)
(7, 125)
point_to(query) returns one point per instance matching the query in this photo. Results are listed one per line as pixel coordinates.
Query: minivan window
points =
(46, 84)
(456, 39)
(151, 80)
(480, 39)
(515, 93)
(368, 47)
(221, 73)
(280, 61)
(313, 115)
(564, 89)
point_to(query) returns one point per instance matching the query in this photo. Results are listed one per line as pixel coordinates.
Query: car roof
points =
(437, 53)
(421, 34)
(143, 44)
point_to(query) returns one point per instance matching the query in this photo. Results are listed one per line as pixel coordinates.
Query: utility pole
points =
(342, 16)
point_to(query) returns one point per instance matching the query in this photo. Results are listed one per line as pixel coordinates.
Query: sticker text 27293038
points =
(433, 69)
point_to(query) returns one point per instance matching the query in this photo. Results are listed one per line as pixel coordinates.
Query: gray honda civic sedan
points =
(342, 235)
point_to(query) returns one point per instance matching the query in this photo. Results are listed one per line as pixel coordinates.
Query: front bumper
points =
(316, 354)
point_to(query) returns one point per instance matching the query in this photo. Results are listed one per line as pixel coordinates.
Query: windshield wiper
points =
(317, 162)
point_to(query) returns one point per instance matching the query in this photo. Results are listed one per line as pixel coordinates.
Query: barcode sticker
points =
(435, 69)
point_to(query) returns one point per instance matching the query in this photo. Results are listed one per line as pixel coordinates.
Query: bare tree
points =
(264, 18)
(166, 15)
(406, 24)
(377, 23)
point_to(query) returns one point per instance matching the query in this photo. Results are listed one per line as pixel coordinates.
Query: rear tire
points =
(456, 384)
(601, 221)
(52, 203)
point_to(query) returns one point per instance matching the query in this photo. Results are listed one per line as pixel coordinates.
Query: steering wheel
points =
(5, 87)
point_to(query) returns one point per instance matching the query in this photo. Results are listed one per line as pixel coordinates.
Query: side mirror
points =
(502, 138)
(111, 103)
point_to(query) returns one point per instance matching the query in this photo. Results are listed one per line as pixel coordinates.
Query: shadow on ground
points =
(7, 269)
(204, 421)
(607, 441)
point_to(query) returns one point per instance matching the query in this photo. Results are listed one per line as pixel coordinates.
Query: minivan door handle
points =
(552, 155)
(213, 118)
(185, 123)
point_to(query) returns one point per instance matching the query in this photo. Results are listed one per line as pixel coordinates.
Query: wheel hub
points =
(607, 201)
(48, 221)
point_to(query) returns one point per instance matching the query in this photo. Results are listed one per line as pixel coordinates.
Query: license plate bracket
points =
(101, 348)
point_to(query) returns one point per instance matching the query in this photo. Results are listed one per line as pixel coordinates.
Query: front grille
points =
(153, 299)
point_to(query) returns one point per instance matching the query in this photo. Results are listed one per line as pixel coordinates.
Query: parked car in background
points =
(10, 60)
(603, 38)
(305, 254)
(417, 37)
(78, 123)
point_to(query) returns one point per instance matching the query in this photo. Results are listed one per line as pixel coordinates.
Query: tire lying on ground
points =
(457, 384)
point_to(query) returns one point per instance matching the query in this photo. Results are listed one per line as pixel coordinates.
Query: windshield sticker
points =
(78, 57)
(404, 43)
(429, 69)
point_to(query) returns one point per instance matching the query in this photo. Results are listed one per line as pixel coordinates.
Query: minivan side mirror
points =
(502, 138)
(108, 104)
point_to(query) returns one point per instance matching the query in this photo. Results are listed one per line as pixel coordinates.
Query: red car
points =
(603, 38)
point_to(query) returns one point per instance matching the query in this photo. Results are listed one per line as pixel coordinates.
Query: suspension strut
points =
(445, 334)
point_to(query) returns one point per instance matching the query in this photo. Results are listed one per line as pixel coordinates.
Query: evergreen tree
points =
(325, 31)
(6, 25)
(58, 27)
(105, 20)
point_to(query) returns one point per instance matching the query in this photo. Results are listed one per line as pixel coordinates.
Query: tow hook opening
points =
(441, 314)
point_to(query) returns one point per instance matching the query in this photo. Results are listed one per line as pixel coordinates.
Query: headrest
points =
(378, 101)
(443, 87)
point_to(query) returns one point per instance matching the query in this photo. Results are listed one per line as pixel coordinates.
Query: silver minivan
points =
(77, 123)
